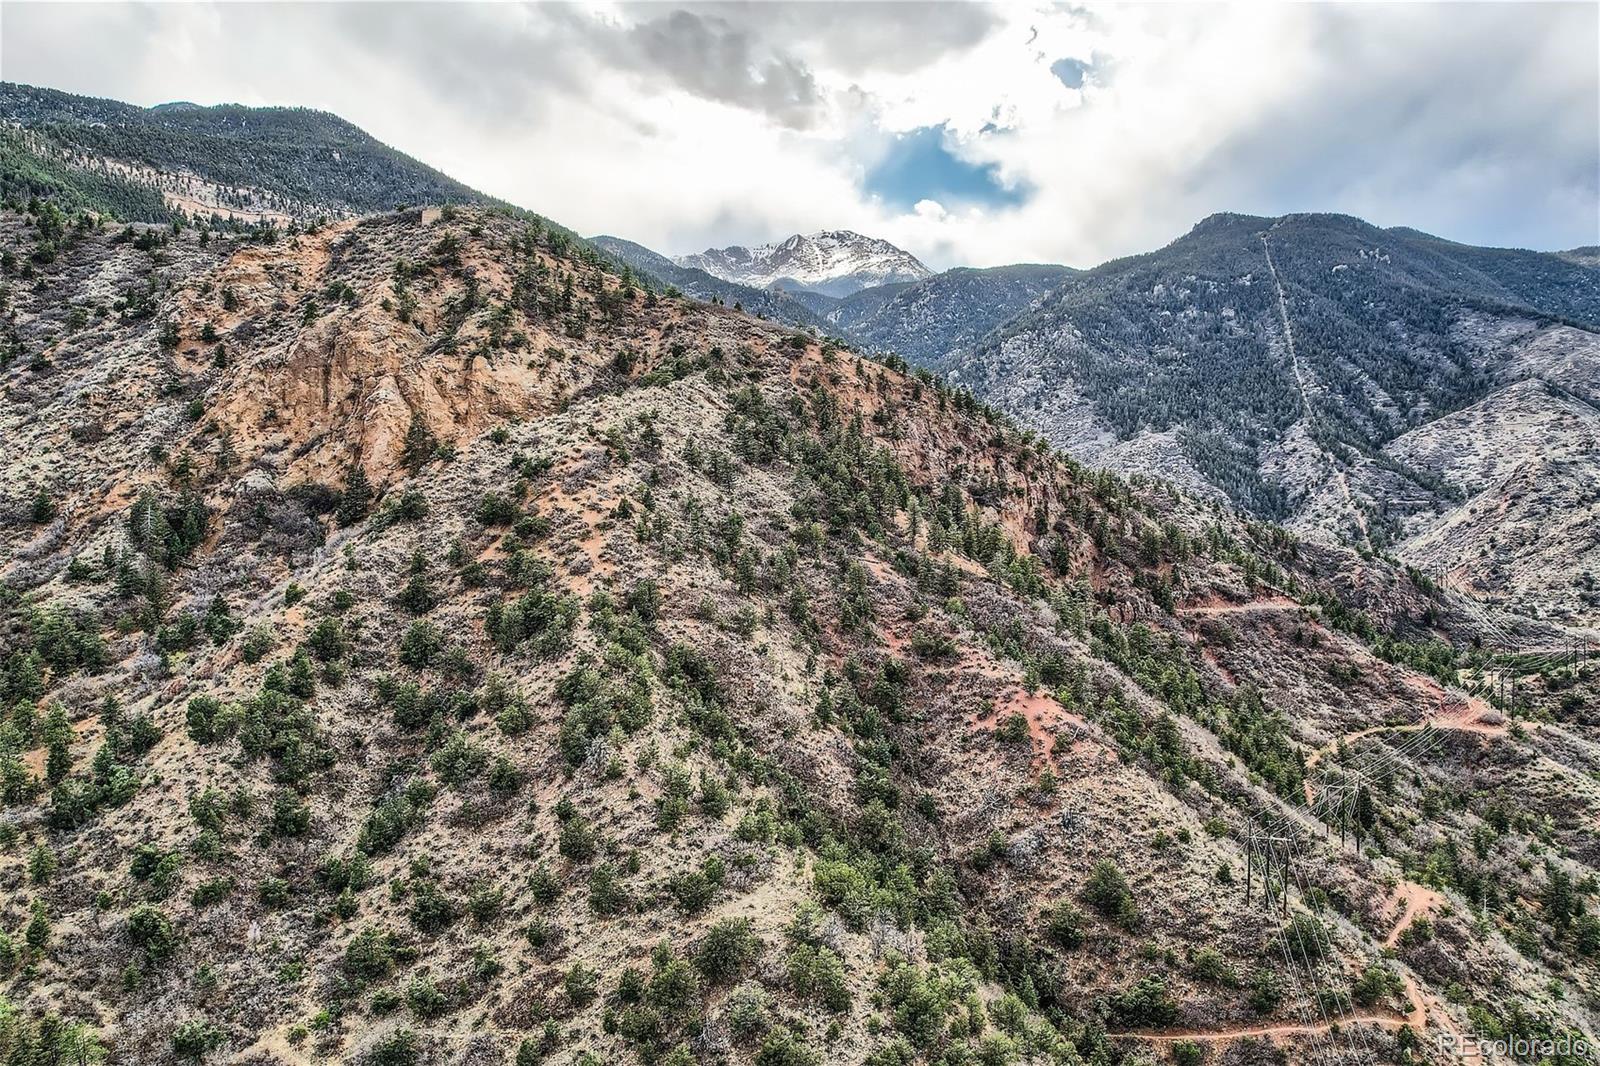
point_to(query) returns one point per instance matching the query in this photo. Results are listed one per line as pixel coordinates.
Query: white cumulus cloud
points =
(683, 126)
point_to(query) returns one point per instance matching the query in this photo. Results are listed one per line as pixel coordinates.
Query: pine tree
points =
(417, 597)
(1366, 814)
(1560, 902)
(58, 744)
(302, 677)
(16, 784)
(37, 933)
(357, 497)
(41, 864)
(419, 446)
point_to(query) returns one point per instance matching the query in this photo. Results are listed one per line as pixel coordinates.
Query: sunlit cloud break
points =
(965, 133)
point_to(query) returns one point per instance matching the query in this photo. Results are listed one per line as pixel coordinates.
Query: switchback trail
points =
(1455, 711)
(1468, 715)
(1273, 603)
(1270, 1029)
(1416, 901)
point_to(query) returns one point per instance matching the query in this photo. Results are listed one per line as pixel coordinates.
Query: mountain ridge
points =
(768, 303)
(832, 262)
(923, 320)
(226, 161)
(1438, 330)
(1178, 362)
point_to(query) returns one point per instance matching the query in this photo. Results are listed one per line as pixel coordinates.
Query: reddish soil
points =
(1269, 1029)
(1213, 605)
(1045, 716)
(1416, 901)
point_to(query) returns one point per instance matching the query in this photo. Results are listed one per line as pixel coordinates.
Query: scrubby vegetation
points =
(718, 696)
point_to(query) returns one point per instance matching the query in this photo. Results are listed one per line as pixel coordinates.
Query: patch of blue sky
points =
(920, 165)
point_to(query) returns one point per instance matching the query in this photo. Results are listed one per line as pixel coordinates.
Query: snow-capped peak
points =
(834, 262)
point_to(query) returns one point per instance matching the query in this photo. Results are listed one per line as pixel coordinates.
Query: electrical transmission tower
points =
(1344, 800)
(1270, 849)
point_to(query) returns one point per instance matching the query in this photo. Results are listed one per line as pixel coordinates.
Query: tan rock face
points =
(342, 386)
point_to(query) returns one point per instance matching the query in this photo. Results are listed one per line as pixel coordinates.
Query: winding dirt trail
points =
(1419, 901)
(1269, 1030)
(1422, 1006)
(1267, 603)
(1467, 714)
(1416, 901)
(1454, 711)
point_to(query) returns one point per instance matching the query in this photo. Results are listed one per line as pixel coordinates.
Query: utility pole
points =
(1342, 794)
(1249, 857)
(1269, 847)
(1281, 845)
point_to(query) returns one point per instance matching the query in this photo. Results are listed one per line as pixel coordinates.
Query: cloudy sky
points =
(967, 134)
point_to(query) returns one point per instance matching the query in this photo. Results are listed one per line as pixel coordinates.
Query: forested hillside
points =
(421, 644)
(147, 164)
(926, 320)
(1272, 361)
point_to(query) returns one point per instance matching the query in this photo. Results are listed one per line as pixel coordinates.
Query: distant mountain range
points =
(1387, 424)
(833, 262)
(923, 319)
(692, 281)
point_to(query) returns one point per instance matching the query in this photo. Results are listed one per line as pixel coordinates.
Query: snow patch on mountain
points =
(833, 262)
